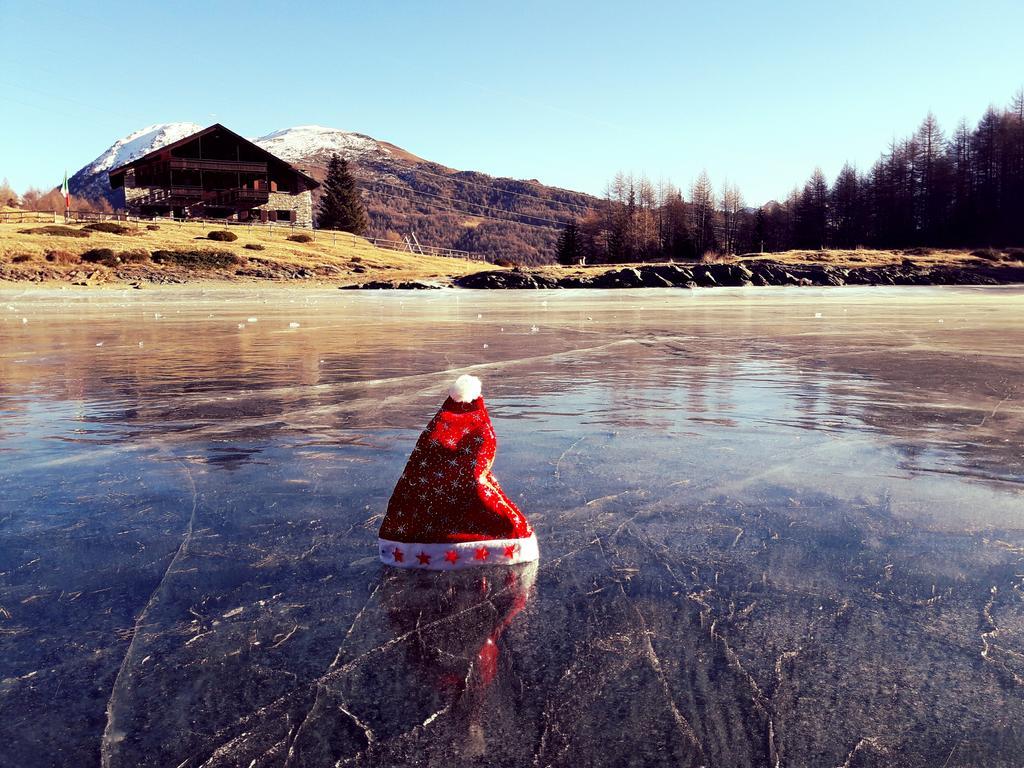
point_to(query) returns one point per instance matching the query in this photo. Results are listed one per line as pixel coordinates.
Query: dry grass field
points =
(849, 259)
(47, 253)
(925, 258)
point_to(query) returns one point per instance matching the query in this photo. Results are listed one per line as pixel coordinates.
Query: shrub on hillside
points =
(110, 227)
(1015, 253)
(100, 256)
(255, 247)
(134, 256)
(919, 251)
(197, 259)
(58, 230)
(301, 237)
(222, 235)
(61, 257)
(153, 227)
(504, 262)
(21, 258)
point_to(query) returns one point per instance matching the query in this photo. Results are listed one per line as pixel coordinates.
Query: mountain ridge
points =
(404, 194)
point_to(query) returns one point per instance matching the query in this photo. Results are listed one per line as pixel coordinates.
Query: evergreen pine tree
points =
(570, 246)
(760, 230)
(340, 205)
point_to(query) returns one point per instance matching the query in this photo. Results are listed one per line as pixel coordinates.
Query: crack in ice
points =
(112, 735)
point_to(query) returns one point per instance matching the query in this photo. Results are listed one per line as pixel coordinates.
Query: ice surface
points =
(763, 541)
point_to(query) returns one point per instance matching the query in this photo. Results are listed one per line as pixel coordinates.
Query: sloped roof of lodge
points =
(120, 170)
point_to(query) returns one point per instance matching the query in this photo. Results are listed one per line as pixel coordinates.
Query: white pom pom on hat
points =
(465, 389)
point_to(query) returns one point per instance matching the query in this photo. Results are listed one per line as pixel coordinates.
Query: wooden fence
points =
(58, 217)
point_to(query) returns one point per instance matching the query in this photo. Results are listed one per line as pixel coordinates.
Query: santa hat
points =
(448, 511)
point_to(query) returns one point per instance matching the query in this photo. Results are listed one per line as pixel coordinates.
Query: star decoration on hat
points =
(448, 509)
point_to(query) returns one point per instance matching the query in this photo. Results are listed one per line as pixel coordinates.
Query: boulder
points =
(657, 281)
(493, 279)
(629, 277)
(704, 278)
(573, 281)
(383, 285)
(672, 273)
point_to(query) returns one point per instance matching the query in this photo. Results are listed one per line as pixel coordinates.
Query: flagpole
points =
(67, 197)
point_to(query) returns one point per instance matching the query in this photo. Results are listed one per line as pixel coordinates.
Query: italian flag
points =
(64, 191)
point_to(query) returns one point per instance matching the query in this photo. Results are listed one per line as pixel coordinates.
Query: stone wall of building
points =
(133, 193)
(300, 203)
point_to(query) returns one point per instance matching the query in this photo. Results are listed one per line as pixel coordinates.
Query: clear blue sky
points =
(568, 93)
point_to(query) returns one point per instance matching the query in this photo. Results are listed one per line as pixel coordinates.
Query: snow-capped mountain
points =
(304, 142)
(91, 181)
(141, 142)
(304, 145)
(403, 193)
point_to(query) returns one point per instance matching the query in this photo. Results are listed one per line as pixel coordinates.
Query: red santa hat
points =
(448, 511)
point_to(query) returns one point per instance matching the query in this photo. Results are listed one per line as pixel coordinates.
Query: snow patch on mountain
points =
(92, 182)
(303, 142)
(142, 142)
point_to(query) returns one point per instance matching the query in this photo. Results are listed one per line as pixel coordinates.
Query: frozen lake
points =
(777, 527)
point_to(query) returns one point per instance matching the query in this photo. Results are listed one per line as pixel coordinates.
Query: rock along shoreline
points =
(749, 273)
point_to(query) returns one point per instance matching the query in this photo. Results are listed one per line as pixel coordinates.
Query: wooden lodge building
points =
(216, 174)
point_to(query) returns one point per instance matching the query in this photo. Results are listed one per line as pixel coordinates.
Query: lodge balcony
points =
(178, 196)
(230, 166)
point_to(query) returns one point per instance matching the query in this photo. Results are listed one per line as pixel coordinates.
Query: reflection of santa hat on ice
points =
(447, 510)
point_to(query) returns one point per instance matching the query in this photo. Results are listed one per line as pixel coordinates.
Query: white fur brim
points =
(464, 554)
(465, 389)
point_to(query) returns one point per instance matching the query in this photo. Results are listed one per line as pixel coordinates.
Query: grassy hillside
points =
(922, 257)
(176, 253)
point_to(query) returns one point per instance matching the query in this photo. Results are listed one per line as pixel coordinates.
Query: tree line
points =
(34, 199)
(931, 189)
